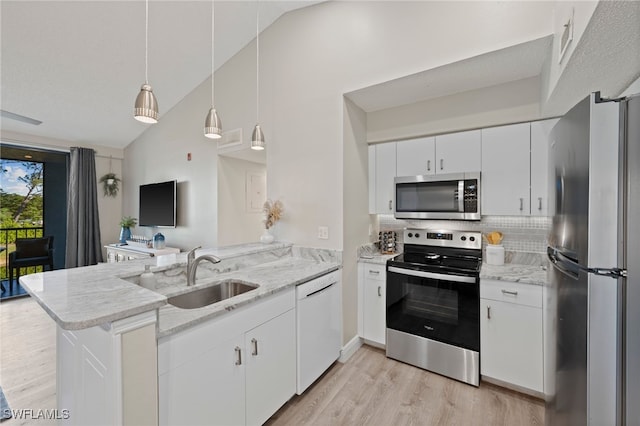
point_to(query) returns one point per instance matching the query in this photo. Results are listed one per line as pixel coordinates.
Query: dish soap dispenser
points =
(147, 279)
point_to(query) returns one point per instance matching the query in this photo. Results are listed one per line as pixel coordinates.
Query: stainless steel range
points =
(433, 303)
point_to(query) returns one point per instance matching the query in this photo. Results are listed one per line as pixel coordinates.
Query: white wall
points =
(236, 223)
(109, 208)
(511, 102)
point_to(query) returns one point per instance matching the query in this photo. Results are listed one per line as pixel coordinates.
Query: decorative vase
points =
(158, 241)
(267, 237)
(125, 234)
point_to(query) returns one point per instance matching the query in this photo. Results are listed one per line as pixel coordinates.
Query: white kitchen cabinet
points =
(511, 334)
(416, 157)
(270, 380)
(458, 152)
(374, 327)
(540, 131)
(385, 173)
(233, 370)
(506, 170)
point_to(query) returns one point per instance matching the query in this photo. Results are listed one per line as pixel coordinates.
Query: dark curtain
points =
(83, 224)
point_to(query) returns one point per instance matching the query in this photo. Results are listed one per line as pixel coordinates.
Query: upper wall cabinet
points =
(458, 152)
(416, 157)
(506, 170)
(382, 174)
(540, 131)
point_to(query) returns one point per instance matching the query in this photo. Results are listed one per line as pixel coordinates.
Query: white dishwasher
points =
(319, 327)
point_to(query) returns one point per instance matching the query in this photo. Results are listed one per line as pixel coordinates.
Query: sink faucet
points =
(193, 262)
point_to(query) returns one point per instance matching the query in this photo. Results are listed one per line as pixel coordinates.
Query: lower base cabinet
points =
(372, 289)
(236, 370)
(511, 334)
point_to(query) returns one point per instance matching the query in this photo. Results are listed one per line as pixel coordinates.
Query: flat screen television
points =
(158, 204)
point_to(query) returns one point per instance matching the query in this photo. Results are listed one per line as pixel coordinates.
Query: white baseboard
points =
(349, 349)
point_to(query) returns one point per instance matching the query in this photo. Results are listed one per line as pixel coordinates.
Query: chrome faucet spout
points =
(192, 266)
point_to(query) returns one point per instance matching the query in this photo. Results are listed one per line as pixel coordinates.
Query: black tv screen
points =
(158, 204)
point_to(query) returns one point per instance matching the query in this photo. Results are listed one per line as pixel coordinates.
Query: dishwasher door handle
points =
(321, 290)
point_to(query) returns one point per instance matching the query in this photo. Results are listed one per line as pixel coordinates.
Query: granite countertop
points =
(525, 268)
(376, 259)
(84, 297)
(271, 276)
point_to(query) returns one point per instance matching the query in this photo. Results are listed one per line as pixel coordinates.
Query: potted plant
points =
(273, 212)
(110, 184)
(126, 223)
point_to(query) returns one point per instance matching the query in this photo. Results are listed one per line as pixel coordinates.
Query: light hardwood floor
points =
(369, 389)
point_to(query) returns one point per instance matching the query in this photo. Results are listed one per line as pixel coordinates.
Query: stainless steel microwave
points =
(451, 196)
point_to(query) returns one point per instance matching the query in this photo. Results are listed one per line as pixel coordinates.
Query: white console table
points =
(120, 253)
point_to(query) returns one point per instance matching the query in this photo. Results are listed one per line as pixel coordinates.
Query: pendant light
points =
(212, 124)
(257, 138)
(146, 106)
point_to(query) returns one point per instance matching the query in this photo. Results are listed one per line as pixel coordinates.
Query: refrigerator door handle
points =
(570, 267)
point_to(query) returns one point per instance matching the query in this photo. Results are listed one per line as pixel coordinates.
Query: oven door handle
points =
(432, 275)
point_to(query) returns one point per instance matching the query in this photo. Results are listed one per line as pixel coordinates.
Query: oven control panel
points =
(441, 238)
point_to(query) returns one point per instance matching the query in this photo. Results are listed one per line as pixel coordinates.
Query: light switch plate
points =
(323, 232)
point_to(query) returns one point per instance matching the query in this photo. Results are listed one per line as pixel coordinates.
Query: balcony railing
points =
(8, 238)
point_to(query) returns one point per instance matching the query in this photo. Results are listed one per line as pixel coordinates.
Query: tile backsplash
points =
(521, 234)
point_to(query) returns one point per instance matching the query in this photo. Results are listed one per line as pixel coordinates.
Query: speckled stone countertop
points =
(526, 268)
(369, 253)
(80, 298)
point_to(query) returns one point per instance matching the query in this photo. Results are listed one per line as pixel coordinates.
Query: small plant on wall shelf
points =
(273, 212)
(110, 184)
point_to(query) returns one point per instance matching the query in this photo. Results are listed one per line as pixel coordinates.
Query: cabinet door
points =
(385, 174)
(374, 308)
(540, 131)
(416, 157)
(271, 367)
(209, 389)
(458, 152)
(506, 170)
(511, 343)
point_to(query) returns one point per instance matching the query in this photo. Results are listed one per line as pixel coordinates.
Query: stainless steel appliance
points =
(592, 343)
(433, 303)
(450, 196)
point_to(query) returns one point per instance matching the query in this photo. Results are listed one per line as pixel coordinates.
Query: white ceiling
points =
(513, 63)
(77, 66)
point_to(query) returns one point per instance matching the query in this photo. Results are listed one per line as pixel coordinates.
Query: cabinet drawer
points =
(375, 272)
(512, 292)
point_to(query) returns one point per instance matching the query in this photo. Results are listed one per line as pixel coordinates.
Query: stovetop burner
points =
(441, 251)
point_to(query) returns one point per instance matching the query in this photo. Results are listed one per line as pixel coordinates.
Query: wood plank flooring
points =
(369, 389)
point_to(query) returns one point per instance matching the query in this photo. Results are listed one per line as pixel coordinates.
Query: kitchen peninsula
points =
(115, 339)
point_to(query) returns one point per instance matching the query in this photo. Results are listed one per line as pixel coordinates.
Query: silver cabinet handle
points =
(429, 165)
(521, 204)
(442, 164)
(371, 271)
(379, 291)
(238, 355)
(390, 204)
(539, 203)
(254, 342)
(488, 312)
(513, 293)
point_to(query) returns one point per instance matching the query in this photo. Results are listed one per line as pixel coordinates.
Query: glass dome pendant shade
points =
(146, 106)
(213, 125)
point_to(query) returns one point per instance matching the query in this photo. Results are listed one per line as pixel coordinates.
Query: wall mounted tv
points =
(158, 204)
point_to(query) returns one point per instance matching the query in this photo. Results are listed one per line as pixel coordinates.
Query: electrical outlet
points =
(323, 232)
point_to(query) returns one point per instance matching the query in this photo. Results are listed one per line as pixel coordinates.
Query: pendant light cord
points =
(257, 61)
(146, 42)
(212, 49)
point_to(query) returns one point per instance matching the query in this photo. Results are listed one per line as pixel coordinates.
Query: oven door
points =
(437, 306)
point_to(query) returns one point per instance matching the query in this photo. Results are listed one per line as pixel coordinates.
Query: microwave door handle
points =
(461, 196)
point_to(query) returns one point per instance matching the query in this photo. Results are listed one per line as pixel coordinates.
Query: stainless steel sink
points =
(208, 295)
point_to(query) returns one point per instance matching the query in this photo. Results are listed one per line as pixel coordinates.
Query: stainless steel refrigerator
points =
(592, 302)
